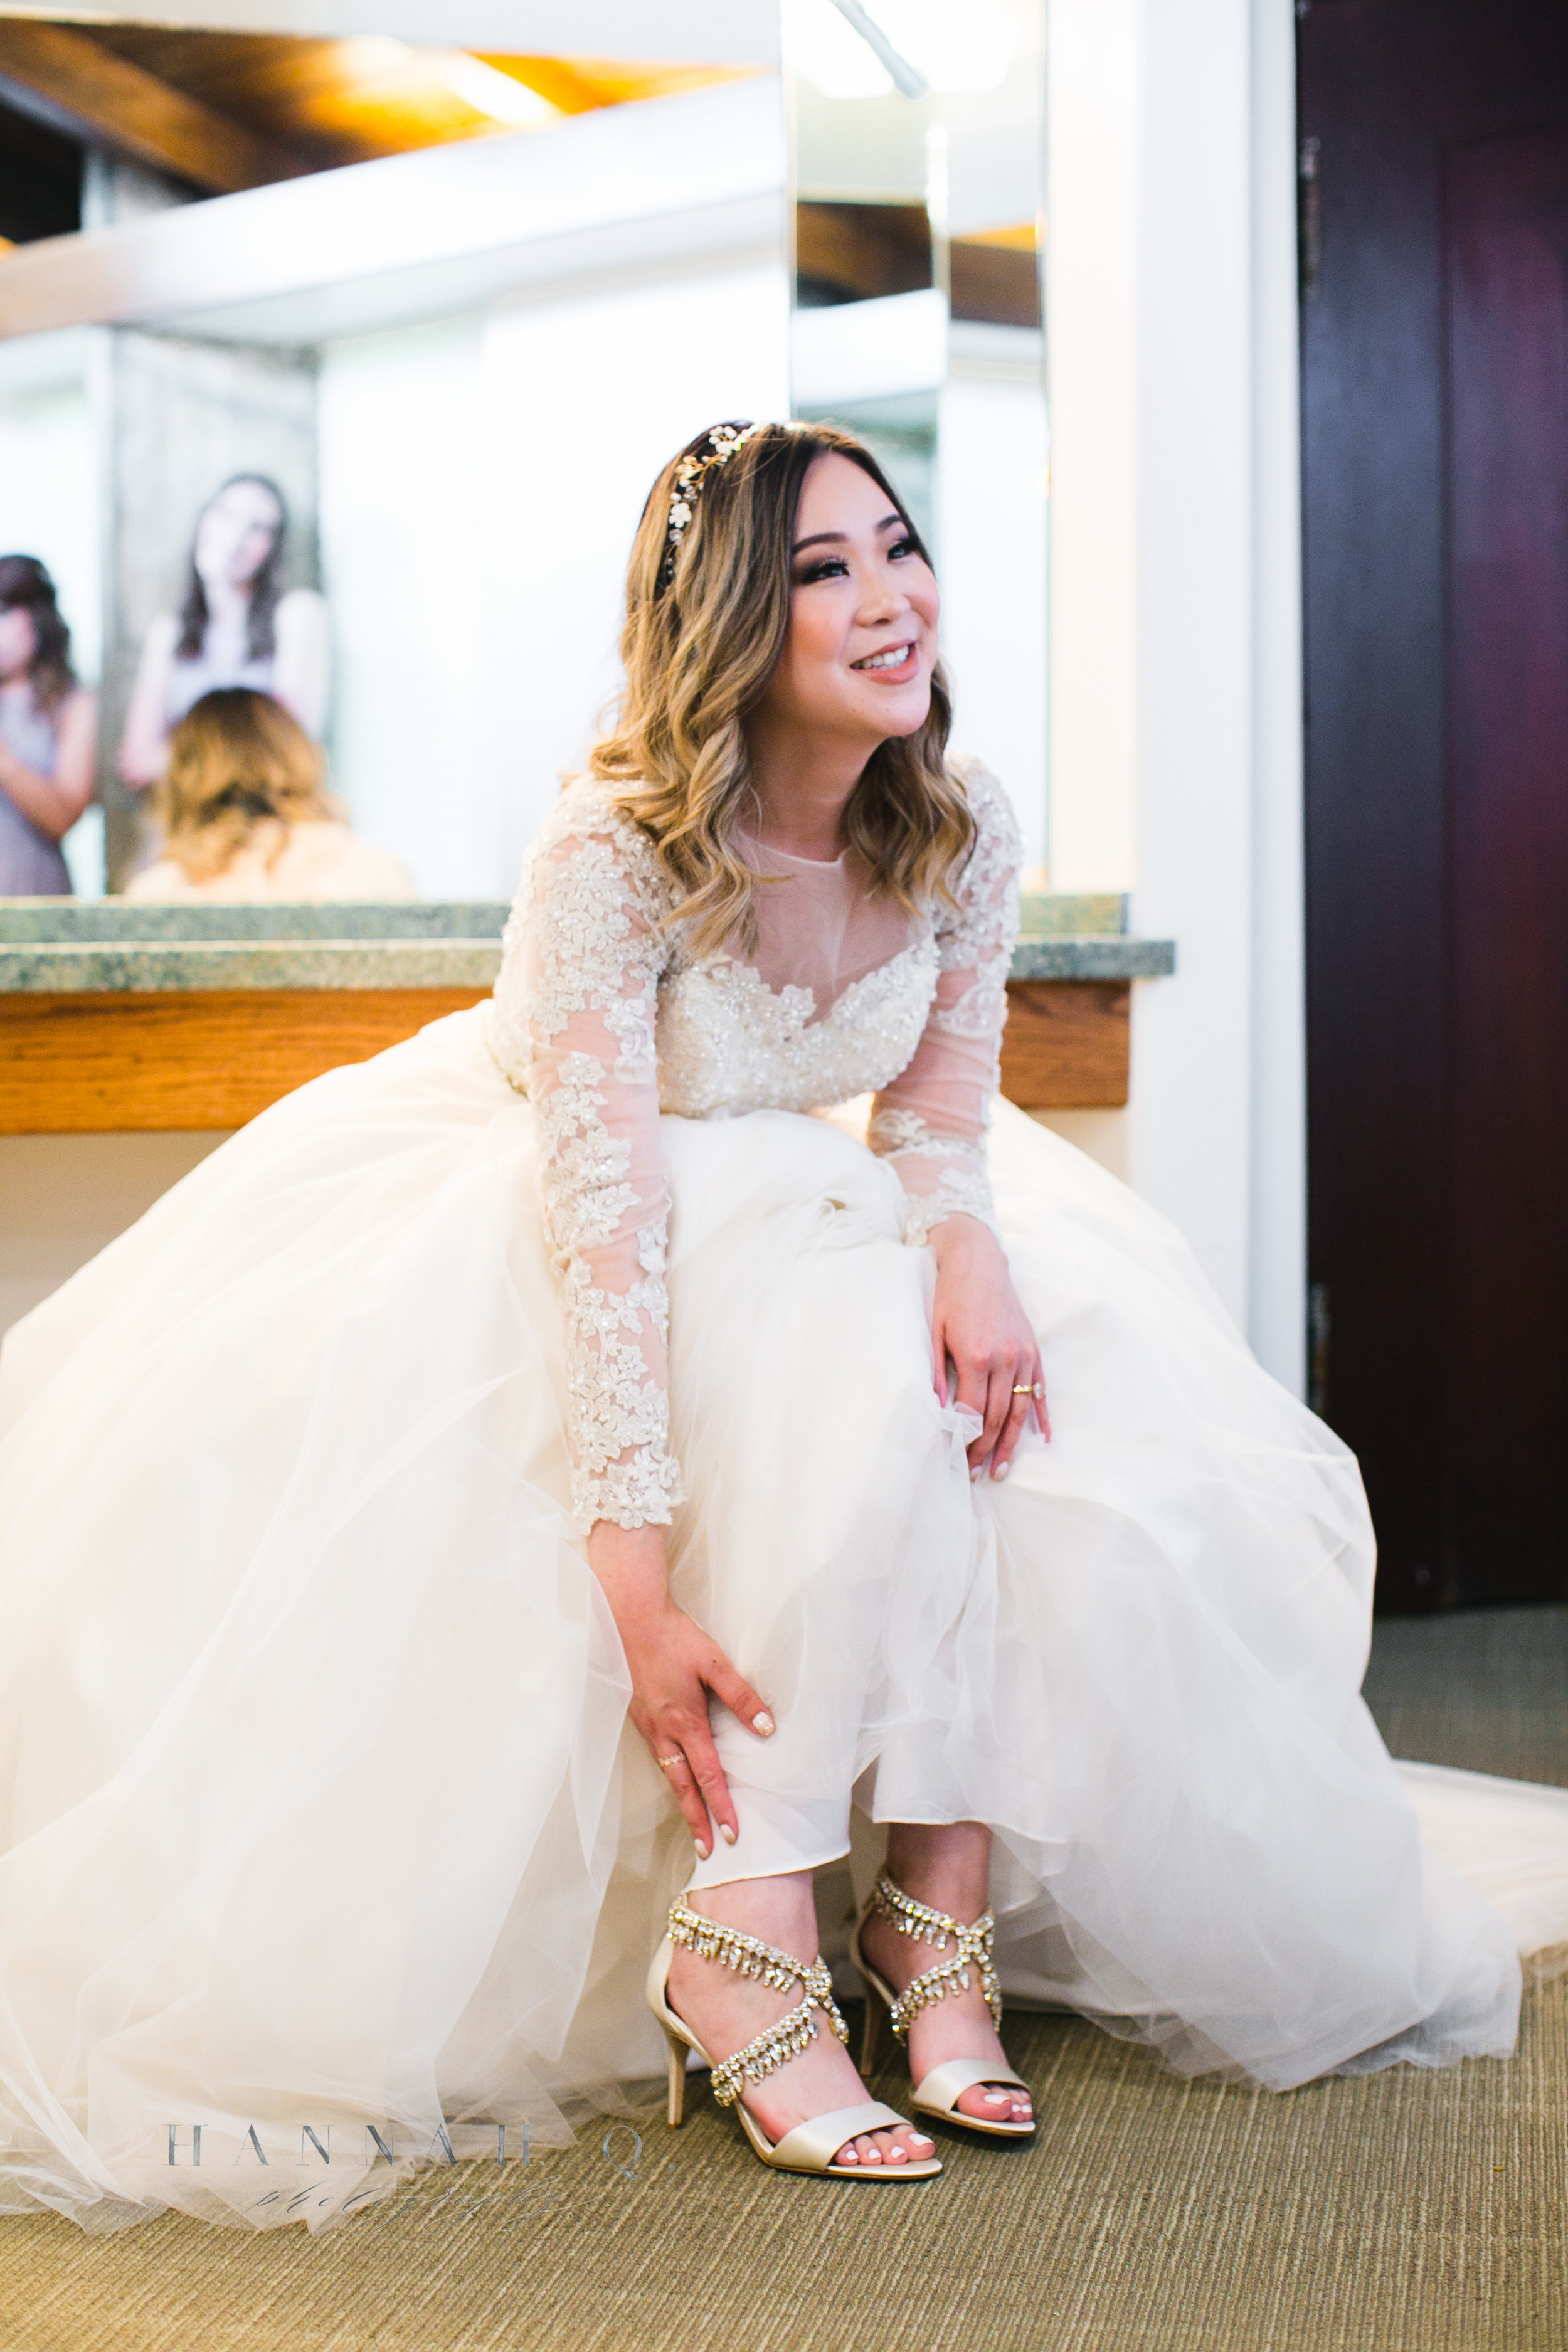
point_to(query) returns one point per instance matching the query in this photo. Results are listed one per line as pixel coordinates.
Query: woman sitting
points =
(245, 814)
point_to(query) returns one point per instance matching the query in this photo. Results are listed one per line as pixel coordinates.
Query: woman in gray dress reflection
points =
(236, 627)
(46, 734)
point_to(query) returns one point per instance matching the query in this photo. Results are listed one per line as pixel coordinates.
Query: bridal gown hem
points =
(324, 1829)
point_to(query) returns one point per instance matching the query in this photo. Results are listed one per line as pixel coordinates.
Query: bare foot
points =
(946, 1867)
(726, 2010)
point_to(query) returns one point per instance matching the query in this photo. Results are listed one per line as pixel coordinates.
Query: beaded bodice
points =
(603, 1018)
(728, 1041)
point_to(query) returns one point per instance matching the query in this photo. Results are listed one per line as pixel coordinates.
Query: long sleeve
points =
(578, 1001)
(930, 1124)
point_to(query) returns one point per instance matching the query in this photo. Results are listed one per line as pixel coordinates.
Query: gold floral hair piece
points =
(724, 440)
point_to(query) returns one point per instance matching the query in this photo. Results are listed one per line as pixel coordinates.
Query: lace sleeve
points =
(576, 1005)
(931, 1122)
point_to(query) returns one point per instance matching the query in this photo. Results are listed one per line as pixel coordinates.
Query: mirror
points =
(374, 441)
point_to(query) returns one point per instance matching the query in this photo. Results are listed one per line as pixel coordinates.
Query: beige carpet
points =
(1403, 2213)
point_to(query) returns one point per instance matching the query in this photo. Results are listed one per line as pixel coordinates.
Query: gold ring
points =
(1035, 1391)
(664, 1762)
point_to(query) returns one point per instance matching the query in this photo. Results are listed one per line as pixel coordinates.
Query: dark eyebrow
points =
(895, 522)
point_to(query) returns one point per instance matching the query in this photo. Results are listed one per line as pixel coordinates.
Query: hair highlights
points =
(25, 582)
(702, 639)
(238, 760)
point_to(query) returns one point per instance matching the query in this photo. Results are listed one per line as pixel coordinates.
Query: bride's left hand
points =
(978, 1324)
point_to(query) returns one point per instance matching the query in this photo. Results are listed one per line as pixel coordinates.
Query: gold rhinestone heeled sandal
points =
(811, 2146)
(943, 2088)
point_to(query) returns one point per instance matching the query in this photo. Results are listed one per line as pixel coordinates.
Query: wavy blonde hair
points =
(700, 642)
(238, 760)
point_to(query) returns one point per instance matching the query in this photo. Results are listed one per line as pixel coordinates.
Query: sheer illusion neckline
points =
(819, 923)
(791, 857)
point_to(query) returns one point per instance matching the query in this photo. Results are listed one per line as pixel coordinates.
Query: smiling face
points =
(862, 642)
(236, 534)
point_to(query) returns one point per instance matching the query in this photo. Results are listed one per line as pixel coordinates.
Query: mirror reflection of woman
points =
(236, 626)
(245, 813)
(545, 1478)
(48, 734)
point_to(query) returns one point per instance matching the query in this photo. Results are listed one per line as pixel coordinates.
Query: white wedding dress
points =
(321, 1826)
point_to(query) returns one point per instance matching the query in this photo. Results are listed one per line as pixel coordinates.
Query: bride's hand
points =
(978, 1323)
(673, 1666)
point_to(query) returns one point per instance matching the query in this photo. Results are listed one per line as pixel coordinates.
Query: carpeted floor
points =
(1401, 2213)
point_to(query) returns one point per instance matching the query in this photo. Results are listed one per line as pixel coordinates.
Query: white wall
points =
(1174, 688)
(405, 567)
(480, 483)
(1277, 1272)
(64, 1197)
(991, 537)
(588, 399)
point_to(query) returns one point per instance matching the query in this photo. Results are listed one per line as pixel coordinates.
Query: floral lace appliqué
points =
(573, 1024)
(931, 1122)
(601, 1019)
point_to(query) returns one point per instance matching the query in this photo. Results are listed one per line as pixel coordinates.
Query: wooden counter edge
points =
(208, 1060)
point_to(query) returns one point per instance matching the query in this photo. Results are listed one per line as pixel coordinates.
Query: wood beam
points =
(83, 88)
(199, 1060)
(1065, 1046)
(213, 1058)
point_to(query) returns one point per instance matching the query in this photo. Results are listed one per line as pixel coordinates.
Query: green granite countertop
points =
(52, 946)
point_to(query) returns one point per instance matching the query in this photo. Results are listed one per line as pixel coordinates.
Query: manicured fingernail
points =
(763, 1721)
(701, 1849)
(1000, 1471)
(727, 1833)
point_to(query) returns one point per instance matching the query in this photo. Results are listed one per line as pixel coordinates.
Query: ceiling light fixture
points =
(488, 90)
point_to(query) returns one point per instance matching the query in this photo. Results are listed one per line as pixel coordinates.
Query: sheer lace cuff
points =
(961, 1193)
(943, 1175)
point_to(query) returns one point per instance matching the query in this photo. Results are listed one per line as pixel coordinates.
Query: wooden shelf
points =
(94, 1063)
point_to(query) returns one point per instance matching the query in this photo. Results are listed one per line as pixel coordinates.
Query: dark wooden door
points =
(1434, 358)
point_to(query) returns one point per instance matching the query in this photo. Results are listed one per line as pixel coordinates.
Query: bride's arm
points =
(931, 1124)
(576, 1005)
(673, 1664)
(577, 1000)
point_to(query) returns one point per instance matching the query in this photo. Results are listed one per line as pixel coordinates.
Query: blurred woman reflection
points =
(234, 628)
(46, 734)
(245, 814)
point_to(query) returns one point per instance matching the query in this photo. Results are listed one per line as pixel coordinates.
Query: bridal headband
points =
(723, 441)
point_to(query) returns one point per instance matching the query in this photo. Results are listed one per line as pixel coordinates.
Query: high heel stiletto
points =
(939, 2091)
(812, 2145)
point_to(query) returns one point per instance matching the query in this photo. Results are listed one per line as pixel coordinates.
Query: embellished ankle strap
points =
(710, 1940)
(974, 1946)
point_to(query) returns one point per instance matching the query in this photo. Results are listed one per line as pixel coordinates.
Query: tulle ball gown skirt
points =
(319, 1805)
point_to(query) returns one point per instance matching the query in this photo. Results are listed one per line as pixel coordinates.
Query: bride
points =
(535, 1486)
